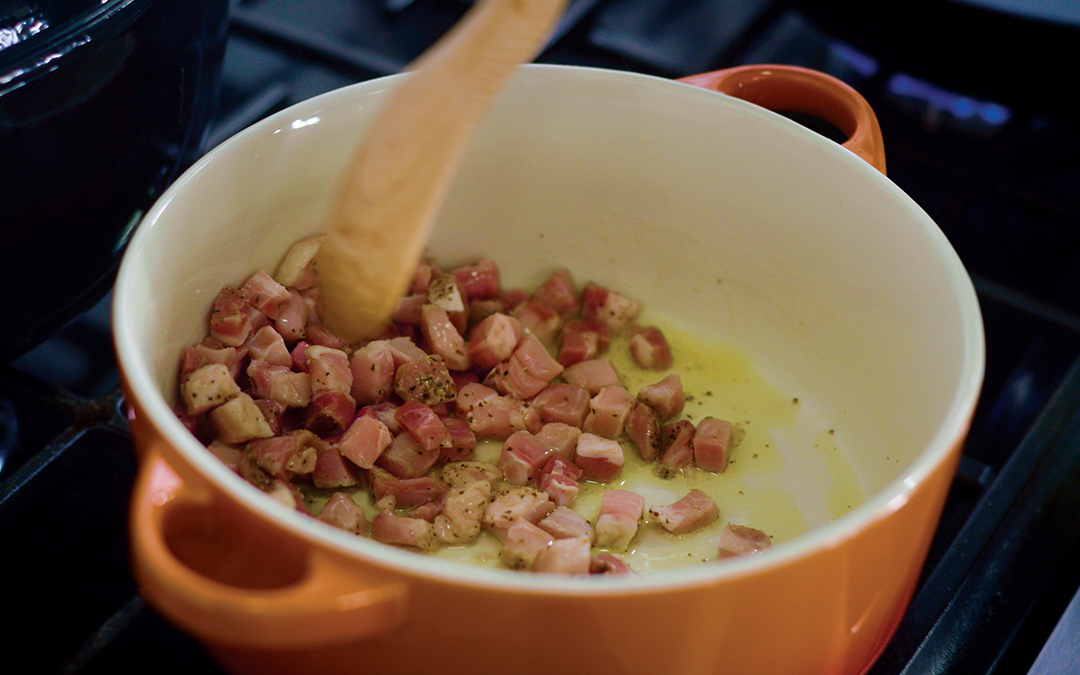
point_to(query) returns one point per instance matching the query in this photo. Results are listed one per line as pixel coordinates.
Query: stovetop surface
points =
(1002, 180)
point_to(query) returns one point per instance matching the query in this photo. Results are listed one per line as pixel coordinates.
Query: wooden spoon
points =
(397, 178)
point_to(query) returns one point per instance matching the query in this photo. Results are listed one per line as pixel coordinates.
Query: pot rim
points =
(830, 535)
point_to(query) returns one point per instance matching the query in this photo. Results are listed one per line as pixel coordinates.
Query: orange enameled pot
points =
(730, 223)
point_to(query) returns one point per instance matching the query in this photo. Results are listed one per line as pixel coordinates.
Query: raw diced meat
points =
(443, 337)
(564, 403)
(403, 530)
(292, 323)
(373, 370)
(405, 350)
(279, 383)
(268, 346)
(643, 430)
(600, 459)
(207, 387)
(620, 513)
(463, 512)
(608, 411)
(606, 562)
(493, 340)
(408, 309)
(522, 542)
(614, 310)
(426, 381)
(677, 448)
(332, 470)
(287, 494)
(480, 280)
(582, 340)
(265, 294)
(230, 455)
(539, 320)
(558, 292)
(460, 474)
(197, 356)
(593, 374)
(239, 420)
(405, 458)
(364, 440)
(528, 370)
(385, 412)
(285, 456)
(517, 502)
(712, 441)
(404, 491)
(649, 349)
(231, 318)
(490, 415)
(423, 274)
(666, 397)
(329, 369)
(425, 427)
(343, 512)
(522, 456)
(565, 523)
(739, 539)
(565, 556)
(693, 511)
(443, 291)
(462, 441)
(295, 269)
(274, 413)
(559, 479)
(329, 412)
(560, 438)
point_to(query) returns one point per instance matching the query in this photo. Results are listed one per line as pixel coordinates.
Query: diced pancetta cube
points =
(517, 502)
(265, 294)
(593, 374)
(480, 280)
(364, 440)
(288, 494)
(522, 542)
(712, 444)
(463, 513)
(390, 528)
(643, 430)
(443, 337)
(332, 470)
(405, 350)
(740, 539)
(528, 370)
(429, 511)
(329, 369)
(565, 523)
(408, 309)
(558, 292)
(405, 458)
(329, 412)
(620, 513)
(582, 340)
(600, 459)
(606, 562)
(404, 491)
(443, 291)
(274, 413)
(559, 479)
(373, 370)
(385, 412)
(425, 427)
(231, 317)
(694, 511)
(285, 456)
(522, 456)
(296, 267)
(239, 420)
(493, 340)
(565, 556)
(425, 271)
(608, 411)
(200, 355)
(649, 348)
(539, 320)
(560, 438)
(564, 403)
(292, 323)
(343, 512)
(612, 309)
(318, 334)
(512, 297)
(666, 397)
(279, 383)
(676, 448)
(462, 441)
(207, 387)
(425, 381)
(460, 474)
(229, 455)
(268, 346)
(491, 415)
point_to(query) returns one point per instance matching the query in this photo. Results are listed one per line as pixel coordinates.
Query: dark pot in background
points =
(102, 105)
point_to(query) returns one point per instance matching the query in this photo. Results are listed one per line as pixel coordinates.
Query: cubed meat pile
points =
(287, 405)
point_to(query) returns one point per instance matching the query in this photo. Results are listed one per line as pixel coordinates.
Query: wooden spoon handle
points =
(398, 176)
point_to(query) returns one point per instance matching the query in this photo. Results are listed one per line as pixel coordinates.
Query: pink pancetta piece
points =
(600, 459)
(274, 413)
(491, 415)
(239, 420)
(528, 370)
(740, 540)
(207, 387)
(265, 294)
(210, 351)
(230, 455)
(462, 441)
(444, 292)
(405, 350)
(423, 274)
(390, 528)
(493, 340)
(517, 502)
(230, 319)
(612, 309)
(666, 397)
(643, 430)
(285, 456)
(373, 371)
(288, 495)
(522, 542)
(429, 511)
(712, 444)
(408, 309)
(268, 346)
(480, 280)
(565, 523)
(563, 403)
(332, 470)
(329, 369)
(425, 381)
(405, 458)
(581, 340)
(593, 374)
(565, 556)
(559, 479)
(558, 292)
(694, 511)
(620, 513)
(385, 412)
(342, 511)
(539, 320)
(460, 474)
(296, 267)
(318, 334)
(606, 562)
(561, 438)
(279, 383)
(608, 412)
(364, 440)
(649, 348)
(292, 323)
(462, 514)
(405, 492)
(443, 337)
(425, 427)
(676, 448)
(522, 456)
(329, 412)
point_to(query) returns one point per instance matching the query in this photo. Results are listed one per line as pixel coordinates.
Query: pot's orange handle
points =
(209, 572)
(783, 88)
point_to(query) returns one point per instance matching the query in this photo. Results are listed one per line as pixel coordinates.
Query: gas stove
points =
(998, 170)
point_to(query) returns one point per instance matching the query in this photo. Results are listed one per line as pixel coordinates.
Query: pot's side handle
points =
(783, 88)
(195, 564)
